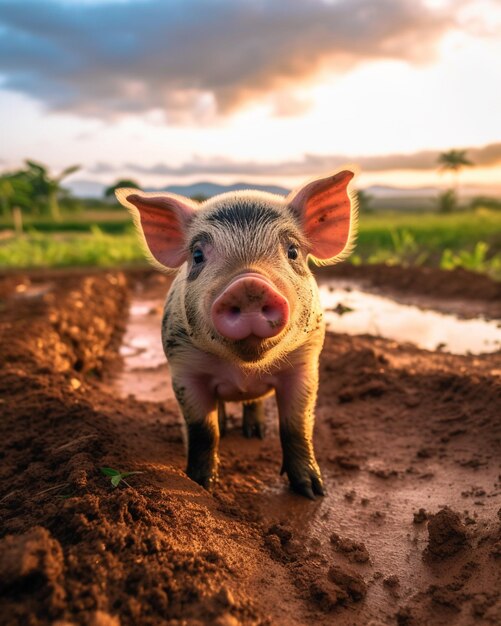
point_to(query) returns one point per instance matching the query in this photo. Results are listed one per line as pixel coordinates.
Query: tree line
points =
(34, 190)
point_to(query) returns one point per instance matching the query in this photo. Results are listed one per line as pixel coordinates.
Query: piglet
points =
(242, 319)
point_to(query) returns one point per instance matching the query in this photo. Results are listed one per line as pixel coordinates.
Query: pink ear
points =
(328, 216)
(163, 220)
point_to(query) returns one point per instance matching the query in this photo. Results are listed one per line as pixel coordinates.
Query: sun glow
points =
(377, 107)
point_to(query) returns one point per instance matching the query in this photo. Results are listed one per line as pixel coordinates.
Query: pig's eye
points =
(292, 252)
(198, 256)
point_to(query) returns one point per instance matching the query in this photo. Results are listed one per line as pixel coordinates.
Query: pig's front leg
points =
(296, 396)
(201, 417)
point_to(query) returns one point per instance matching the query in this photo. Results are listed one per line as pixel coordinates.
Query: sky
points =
(266, 91)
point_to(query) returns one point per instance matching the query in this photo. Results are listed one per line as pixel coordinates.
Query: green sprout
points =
(116, 476)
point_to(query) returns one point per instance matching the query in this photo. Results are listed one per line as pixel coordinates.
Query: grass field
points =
(470, 239)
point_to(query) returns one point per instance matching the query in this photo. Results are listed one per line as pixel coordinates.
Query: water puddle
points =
(145, 374)
(33, 290)
(350, 310)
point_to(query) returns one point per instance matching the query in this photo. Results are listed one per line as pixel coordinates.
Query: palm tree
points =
(454, 161)
(49, 187)
(109, 192)
(6, 194)
(15, 191)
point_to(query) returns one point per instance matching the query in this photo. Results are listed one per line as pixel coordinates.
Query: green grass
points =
(66, 250)
(431, 231)
(470, 239)
(113, 221)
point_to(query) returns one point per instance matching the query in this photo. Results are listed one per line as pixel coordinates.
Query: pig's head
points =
(248, 292)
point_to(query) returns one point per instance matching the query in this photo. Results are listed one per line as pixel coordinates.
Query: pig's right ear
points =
(162, 220)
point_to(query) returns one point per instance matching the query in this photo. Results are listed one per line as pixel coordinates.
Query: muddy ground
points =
(409, 442)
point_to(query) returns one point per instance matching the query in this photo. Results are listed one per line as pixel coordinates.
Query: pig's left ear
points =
(162, 220)
(327, 211)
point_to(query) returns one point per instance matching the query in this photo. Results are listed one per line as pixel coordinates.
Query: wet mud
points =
(409, 442)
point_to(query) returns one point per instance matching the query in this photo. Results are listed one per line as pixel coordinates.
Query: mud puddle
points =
(30, 290)
(350, 310)
(145, 372)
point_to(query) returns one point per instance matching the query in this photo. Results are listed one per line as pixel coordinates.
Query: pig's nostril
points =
(271, 313)
(235, 310)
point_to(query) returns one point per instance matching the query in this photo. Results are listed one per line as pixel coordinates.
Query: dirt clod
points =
(420, 516)
(351, 583)
(34, 552)
(391, 581)
(447, 534)
(355, 551)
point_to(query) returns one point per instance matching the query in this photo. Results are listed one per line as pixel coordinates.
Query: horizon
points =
(157, 98)
(91, 189)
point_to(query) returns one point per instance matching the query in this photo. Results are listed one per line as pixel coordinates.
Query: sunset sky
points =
(266, 91)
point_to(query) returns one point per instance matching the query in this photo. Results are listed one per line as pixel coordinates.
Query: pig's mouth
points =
(252, 348)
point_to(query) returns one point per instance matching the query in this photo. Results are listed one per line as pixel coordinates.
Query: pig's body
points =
(242, 319)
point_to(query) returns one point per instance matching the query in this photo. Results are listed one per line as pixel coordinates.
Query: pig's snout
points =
(250, 306)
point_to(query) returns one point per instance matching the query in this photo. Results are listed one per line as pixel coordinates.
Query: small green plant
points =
(116, 476)
(476, 260)
(404, 250)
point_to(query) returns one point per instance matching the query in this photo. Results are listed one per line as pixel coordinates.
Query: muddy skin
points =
(203, 460)
(300, 465)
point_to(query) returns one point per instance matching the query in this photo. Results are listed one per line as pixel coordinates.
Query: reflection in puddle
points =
(350, 310)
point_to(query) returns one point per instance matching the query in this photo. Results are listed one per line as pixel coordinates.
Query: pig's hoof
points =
(307, 483)
(260, 430)
(254, 420)
(222, 428)
(206, 479)
(254, 430)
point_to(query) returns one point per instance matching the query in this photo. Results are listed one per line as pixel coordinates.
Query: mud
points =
(409, 442)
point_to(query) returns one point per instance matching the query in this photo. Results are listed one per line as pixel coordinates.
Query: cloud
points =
(310, 164)
(194, 58)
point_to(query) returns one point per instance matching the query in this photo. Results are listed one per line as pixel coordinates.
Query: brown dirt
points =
(409, 442)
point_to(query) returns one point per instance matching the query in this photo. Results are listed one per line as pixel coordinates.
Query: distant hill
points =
(383, 196)
(213, 189)
(384, 191)
(94, 189)
(85, 188)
